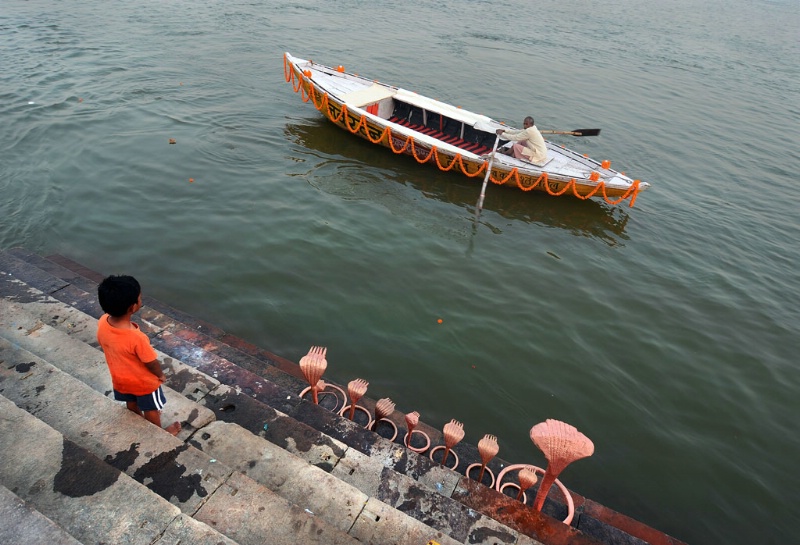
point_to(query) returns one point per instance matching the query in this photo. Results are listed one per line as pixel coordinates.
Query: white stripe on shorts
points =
(157, 399)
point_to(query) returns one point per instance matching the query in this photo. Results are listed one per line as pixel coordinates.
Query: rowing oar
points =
(576, 132)
(486, 178)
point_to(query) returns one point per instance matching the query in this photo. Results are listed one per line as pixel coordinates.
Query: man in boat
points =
(528, 143)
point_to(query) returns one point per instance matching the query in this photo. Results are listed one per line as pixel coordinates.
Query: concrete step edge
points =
(23, 524)
(25, 321)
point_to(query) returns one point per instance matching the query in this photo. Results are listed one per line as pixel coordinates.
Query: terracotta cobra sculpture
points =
(383, 409)
(487, 449)
(453, 433)
(561, 444)
(527, 478)
(412, 419)
(356, 390)
(313, 365)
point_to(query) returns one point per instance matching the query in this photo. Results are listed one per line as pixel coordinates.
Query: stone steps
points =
(24, 525)
(261, 424)
(161, 465)
(198, 484)
(80, 495)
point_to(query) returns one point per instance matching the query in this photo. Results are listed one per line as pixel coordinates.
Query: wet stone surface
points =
(82, 474)
(124, 459)
(30, 275)
(168, 478)
(24, 367)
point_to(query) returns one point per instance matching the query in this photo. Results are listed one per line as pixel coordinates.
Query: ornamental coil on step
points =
(412, 419)
(313, 365)
(383, 409)
(561, 444)
(356, 390)
(487, 449)
(527, 478)
(453, 434)
(297, 78)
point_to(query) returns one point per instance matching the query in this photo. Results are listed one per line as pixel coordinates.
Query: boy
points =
(136, 373)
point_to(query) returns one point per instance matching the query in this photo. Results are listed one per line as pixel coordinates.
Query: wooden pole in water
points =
(486, 178)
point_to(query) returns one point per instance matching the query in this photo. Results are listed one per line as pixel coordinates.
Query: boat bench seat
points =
(473, 147)
(370, 95)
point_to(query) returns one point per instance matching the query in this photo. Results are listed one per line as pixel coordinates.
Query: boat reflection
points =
(590, 218)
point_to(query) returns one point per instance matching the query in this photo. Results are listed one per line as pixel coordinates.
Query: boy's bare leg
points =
(154, 417)
(133, 407)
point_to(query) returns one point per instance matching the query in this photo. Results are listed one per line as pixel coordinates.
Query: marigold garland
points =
(514, 172)
(342, 112)
(401, 150)
(362, 121)
(588, 195)
(323, 103)
(288, 73)
(296, 78)
(559, 193)
(460, 159)
(414, 153)
(445, 169)
(386, 131)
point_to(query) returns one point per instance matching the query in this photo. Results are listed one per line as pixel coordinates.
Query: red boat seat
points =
(472, 147)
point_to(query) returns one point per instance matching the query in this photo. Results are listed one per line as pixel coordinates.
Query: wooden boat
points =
(451, 138)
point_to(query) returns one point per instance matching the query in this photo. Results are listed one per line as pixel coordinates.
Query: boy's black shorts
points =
(154, 401)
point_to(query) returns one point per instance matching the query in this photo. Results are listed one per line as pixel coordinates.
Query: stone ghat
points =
(254, 463)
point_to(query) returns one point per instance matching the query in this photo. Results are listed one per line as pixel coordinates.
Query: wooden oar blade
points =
(576, 132)
(586, 132)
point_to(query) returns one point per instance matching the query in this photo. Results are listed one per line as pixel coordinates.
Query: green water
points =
(667, 332)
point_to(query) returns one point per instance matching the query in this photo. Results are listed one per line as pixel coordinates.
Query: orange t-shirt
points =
(126, 351)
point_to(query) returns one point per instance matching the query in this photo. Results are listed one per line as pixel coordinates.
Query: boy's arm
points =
(155, 368)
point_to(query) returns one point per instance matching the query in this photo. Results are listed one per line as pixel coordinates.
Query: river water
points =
(666, 332)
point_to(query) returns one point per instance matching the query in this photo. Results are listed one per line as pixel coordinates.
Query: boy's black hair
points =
(117, 293)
